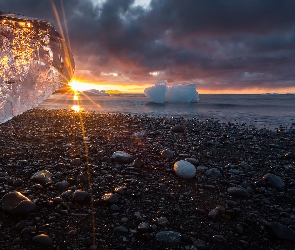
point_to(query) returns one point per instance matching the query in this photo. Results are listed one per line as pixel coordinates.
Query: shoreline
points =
(134, 203)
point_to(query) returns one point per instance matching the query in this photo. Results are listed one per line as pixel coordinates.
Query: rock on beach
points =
(144, 204)
(122, 157)
(184, 169)
(18, 204)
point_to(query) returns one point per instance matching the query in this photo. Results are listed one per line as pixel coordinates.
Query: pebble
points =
(43, 239)
(110, 198)
(184, 169)
(178, 128)
(122, 157)
(143, 226)
(213, 172)
(137, 163)
(192, 160)
(162, 221)
(273, 180)
(280, 231)
(218, 239)
(81, 196)
(18, 204)
(62, 185)
(43, 177)
(168, 236)
(121, 229)
(167, 154)
(238, 192)
(213, 214)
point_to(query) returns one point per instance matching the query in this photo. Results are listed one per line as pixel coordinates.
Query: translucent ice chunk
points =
(34, 62)
(157, 92)
(178, 93)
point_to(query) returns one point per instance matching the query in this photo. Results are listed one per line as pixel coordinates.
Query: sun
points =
(78, 86)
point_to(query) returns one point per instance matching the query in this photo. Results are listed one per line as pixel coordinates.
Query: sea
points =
(269, 111)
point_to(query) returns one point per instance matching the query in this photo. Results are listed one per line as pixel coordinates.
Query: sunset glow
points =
(232, 50)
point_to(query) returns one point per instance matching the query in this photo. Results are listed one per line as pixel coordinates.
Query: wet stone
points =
(62, 185)
(238, 192)
(138, 163)
(184, 169)
(280, 231)
(290, 155)
(178, 128)
(218, 239)
(162, 221)
(110, 198)
(17, 204)
(60, 166)
(121, 229)
(213, 172)
(143, 226)
(43, 177)
(122, 157)
(76, 162)
(43, 239)
(168, 236)
(166, 153)
(273, 180)
(192, 160)
(80, 196)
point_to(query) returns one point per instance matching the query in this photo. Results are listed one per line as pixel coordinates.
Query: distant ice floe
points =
(179, 93)
(96, 92)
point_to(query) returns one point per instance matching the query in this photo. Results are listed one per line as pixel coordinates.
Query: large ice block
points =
(34, 62)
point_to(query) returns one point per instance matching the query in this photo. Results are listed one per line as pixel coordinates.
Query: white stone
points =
(122, 157)
(184, 169)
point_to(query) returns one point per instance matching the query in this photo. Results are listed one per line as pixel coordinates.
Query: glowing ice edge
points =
(178, 93)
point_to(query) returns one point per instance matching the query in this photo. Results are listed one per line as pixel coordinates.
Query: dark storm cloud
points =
(237, 43)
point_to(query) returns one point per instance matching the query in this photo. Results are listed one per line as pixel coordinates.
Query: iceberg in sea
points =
(178, 93)
(34, 62)
(157, 92)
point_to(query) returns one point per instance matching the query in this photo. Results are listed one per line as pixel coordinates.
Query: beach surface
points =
(80, 194)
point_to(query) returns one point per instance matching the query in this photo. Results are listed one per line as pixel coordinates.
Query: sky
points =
(224, 46)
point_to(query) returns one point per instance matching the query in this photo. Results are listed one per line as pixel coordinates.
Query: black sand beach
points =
(242, 197)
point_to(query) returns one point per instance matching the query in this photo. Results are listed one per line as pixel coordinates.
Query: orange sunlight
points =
(115, 88)
(127, 88)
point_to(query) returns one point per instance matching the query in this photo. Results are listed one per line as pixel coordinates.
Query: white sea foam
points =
(178, 93)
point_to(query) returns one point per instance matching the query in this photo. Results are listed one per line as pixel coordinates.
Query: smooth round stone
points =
(290, 155)
(42, 177)
(43, 239)
(60, 166)
(192, 160)
(168, 236)
(138, 163)
(110, 198)
(17, 204)
(238, 192)
(76, 162)
(62, 185)
(273, 180)
(121, 229)
(81, 196)
(280, 231)
(162, 221)
(184, 169)
(213, 172)
(219, 239)
(202, 169)
(167, 154)
(143, 226)
(178, 129)
(122, 157)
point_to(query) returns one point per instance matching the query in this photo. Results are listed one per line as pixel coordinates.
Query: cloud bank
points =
(220, 44)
